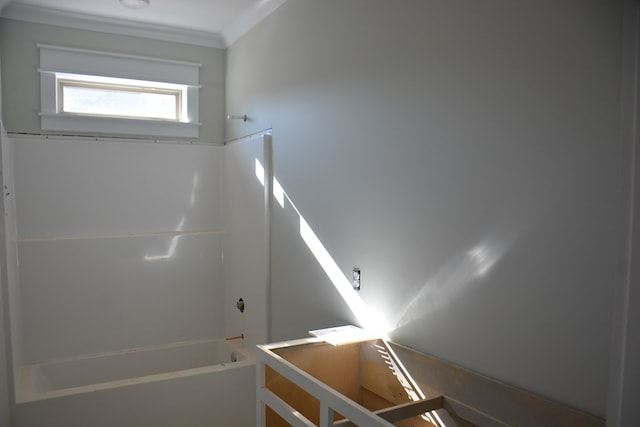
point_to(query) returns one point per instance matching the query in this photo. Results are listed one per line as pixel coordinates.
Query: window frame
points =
(64, 82)
(58, 63)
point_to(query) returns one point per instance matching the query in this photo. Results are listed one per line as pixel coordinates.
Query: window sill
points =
(119, 126)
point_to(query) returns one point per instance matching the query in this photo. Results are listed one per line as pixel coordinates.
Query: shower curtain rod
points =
(103, 139)
(249, 137)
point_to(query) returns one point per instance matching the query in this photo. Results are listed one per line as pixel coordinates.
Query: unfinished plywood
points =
(382, 381)
(377, 404)
(295, 396)
(361, 372)
(396, 386)
(473, 395)
(338, 367)
(373, 401)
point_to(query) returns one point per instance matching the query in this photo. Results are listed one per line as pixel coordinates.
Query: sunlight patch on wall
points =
(368, 320)
(172, 246)
(365, 317)
(450, 281)
(484, 257)
(278, 192)
(260, 172)
(194, 187)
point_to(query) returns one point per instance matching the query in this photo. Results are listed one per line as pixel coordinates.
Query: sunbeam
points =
(372, 322)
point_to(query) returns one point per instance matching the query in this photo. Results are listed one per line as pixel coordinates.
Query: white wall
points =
(465, 155)
(120, 244)
(624, 387)
(245, 241)
(1, 115)
(225, 397)
(630, 381)
(4, 302)
(4, 380)
(10, 273)
(18, 44)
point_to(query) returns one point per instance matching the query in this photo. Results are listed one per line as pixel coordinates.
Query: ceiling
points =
(215, 23)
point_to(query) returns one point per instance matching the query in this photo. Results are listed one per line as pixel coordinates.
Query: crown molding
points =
(248, 20)
(41, 15)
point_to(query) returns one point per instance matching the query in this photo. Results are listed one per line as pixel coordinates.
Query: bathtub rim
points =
(26, 390)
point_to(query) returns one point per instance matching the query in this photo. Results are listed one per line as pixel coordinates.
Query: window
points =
(124, 98)
(98, 92)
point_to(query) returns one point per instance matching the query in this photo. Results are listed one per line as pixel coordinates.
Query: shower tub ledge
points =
(189, 384)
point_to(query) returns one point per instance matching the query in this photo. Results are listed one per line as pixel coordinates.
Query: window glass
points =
(119, 101)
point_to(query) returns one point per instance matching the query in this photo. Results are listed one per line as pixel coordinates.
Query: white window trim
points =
(64, 60)
(178, 92)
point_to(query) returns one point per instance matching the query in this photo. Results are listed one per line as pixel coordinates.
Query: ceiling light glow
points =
(135, 4)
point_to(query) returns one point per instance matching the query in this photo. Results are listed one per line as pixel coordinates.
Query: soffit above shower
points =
(211, 23)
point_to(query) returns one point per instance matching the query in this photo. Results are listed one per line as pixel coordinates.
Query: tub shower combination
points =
(105, 371)
(119, 300)
(184, 384)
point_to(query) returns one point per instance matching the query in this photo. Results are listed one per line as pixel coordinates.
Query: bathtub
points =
(188, 384)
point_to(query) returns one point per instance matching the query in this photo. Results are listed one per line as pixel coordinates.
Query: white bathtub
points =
(205, 383)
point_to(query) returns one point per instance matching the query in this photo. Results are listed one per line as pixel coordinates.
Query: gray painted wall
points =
(1, 69)
(4, 365)
(21, 81)
(465, 155)
(624, 387)
(4, 384)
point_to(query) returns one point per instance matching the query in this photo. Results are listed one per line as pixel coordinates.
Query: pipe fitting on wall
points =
(242, 117)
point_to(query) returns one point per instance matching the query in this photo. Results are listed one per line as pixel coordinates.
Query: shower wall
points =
(9, 261)
(119, 243)
(246, 239)
(4, 320)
